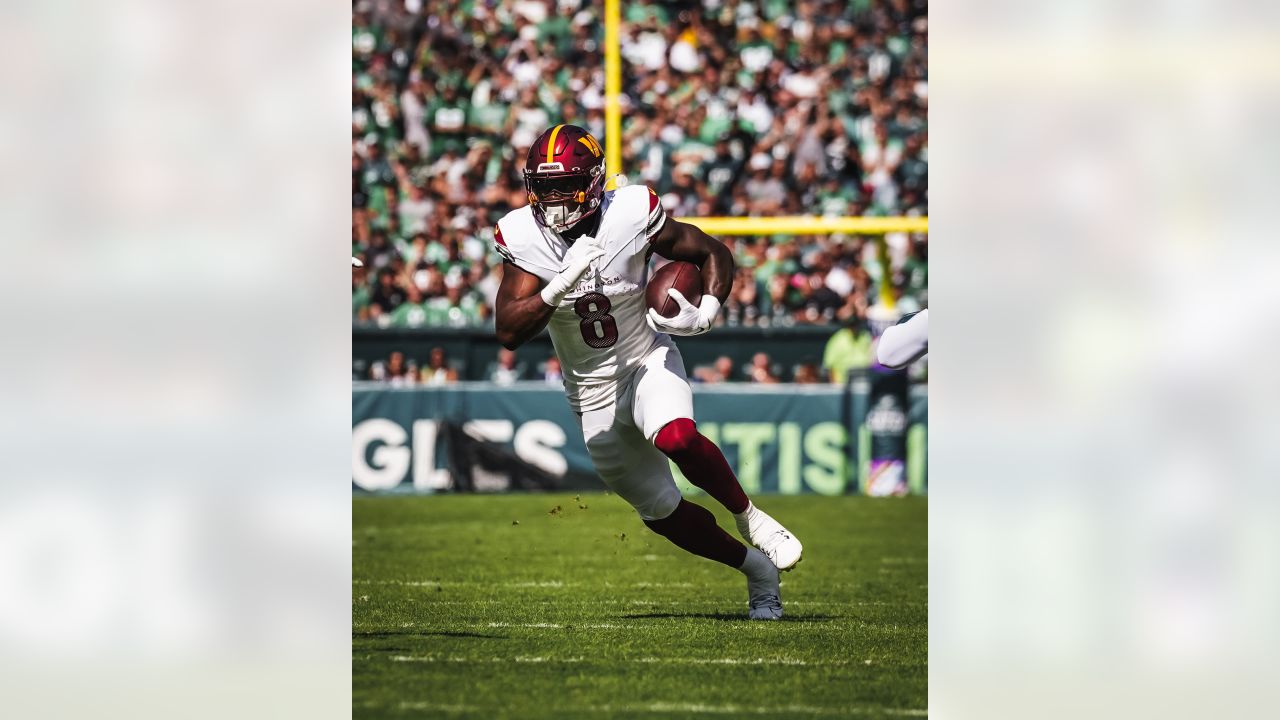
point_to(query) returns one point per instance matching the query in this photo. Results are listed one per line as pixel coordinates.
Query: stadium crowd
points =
(731, 107)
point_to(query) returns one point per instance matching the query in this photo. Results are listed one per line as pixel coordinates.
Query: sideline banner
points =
(886, 424)
(787, 439)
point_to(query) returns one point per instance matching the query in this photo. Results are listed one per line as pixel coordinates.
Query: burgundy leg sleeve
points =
(693, 528)
(701, 462)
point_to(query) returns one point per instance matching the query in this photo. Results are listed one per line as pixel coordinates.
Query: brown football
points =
(683, 276)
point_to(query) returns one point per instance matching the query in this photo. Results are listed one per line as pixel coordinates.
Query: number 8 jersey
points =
(599, 330)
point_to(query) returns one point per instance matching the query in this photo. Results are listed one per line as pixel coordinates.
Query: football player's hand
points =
(584, 251)
(690, 320)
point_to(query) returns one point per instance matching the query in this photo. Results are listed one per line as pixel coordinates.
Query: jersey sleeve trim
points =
(657, 216)
(907, 317)
(500, 245)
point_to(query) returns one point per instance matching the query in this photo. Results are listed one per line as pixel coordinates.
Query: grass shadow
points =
(723, 616)
(440, 633)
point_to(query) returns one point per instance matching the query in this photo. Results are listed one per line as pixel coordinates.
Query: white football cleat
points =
(776, 542)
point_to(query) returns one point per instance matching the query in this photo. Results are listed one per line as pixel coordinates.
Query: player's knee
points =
(676, 437)
(661, 504)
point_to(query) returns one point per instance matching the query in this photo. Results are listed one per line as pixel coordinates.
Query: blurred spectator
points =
(415, 209)
(848, 349)
(458, 307)
(507, 369)
(396, 371)
(915, 269)
(411, 312)
(806, 374)
(551, 371)
(359, 293)
(438, 370)
(743, 305)
(737, 108)
(389, 294)
(761, 370)
(819, 302)
(720, 371)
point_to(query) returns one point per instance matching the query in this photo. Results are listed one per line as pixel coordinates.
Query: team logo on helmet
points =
(592, 145)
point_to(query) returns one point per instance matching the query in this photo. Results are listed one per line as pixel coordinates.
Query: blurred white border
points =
(1103, 497)
(174, 521)
(175, 511)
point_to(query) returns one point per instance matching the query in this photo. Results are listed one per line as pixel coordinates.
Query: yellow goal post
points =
(792, 225)
(817, 225)
(808, 225)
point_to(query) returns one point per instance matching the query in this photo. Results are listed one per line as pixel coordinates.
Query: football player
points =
(576, 261)
(906, 342)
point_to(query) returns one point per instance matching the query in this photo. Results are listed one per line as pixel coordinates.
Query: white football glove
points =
(690, 320)
(584, 251)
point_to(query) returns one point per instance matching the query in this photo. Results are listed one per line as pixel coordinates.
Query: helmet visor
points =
(552, 188)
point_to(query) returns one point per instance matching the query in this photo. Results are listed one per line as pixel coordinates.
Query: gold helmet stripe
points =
(551, 143)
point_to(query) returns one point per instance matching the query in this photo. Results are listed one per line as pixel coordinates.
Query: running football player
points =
(576, 261)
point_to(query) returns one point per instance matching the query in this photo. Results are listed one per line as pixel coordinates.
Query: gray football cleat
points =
(764, 595)
(765, 607)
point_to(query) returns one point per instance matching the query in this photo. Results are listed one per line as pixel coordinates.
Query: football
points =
(683, 276)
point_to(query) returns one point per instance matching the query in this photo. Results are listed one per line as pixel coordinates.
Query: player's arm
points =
(525, 304)
(521, 312)
(905, 342)
(682, 241)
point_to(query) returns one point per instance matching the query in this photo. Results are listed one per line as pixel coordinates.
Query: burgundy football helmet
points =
(564, 175)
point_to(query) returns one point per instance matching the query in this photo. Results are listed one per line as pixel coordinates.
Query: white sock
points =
(757, 565)
(743, 519)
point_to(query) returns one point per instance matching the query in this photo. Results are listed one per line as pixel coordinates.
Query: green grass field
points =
(458, 611)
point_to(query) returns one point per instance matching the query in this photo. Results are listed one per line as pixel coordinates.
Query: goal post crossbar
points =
(808, 225)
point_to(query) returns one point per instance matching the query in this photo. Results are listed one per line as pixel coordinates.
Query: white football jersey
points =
(599, 330)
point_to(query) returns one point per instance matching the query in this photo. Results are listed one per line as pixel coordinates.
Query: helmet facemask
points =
(562, 199)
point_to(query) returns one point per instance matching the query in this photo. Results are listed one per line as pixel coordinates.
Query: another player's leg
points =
(904, 343)
(639, 474)
(664, 410)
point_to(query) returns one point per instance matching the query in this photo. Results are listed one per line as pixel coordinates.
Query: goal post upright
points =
(612, 88)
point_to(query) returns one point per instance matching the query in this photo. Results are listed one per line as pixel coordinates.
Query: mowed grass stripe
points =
(560, 615)
(687, 708)
(603, 661)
